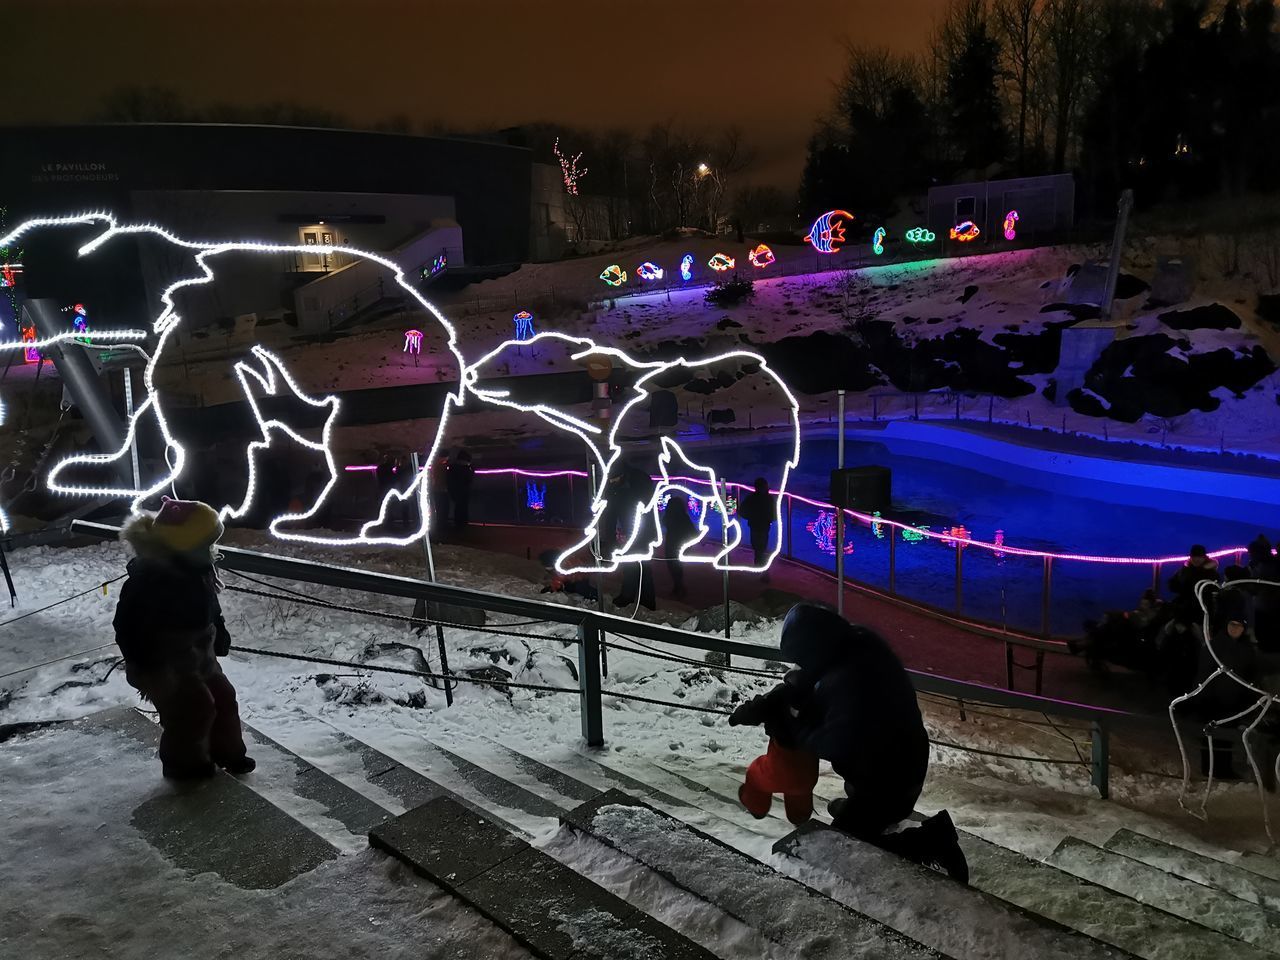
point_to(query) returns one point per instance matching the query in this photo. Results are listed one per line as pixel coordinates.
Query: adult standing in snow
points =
(170, 629)
(757, 508)
(678, 529)
(861, 715)
(461, 474)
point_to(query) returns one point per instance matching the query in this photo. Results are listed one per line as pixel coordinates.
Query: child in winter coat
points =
(170, 629)
(783, 769)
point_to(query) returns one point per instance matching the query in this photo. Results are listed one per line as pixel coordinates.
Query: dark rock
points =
(726, 322)
(721, 416)
(1127, 285)
(969, 291)
(1081, 311)
(1269, 308)
(711, 620)
(1213, 316)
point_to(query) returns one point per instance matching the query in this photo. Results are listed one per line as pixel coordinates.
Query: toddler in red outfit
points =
(783, 769)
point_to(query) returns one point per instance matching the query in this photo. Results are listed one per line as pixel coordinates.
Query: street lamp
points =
(703, 169)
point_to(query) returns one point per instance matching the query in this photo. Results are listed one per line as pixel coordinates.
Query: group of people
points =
(849, 701)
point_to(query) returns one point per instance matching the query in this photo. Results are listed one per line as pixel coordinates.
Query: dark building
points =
(418, 201)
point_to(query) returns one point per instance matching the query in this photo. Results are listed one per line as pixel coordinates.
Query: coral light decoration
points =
(569, 169)
(650, 271)
(965, 231)
(761, 256)
(877, 240)
(686, 267)
(412, 342)
(722, 262)
(919, 235)
(823, 528)
(535, 496)
(613, 275)
(523, 320)
(1011, 225)
(827, 232)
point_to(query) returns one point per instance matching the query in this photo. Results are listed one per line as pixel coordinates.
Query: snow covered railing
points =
(593, 625)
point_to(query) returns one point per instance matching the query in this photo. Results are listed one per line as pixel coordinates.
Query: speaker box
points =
(865, 489)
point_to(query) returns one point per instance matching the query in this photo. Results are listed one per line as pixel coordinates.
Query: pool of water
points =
(993, 500)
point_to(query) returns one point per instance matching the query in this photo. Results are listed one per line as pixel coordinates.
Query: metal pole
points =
(959, 578)
(128, 412)
(788, 534)
(1101, 750)
(431, 574)
(589, 649)
(1117, 246)
(893, 560)
(840, 507)
(1155, 578)
(604, 652)
(1046, 598)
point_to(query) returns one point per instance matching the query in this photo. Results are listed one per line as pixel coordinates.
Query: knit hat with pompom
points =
(180, 526)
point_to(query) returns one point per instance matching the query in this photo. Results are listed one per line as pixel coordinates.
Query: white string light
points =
(1266, 700)
(632, 551)
(164, 326)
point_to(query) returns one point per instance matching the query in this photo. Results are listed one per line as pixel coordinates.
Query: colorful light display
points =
(439, 263)
(827, 232)
(761, 256)
(650, 271)
(686, 267)
(721, 262)
(535, 496)
(269, 378)
(919, 235)
(607, 451)
(1011, 225)
(569, 169)
(955, 536)
(823, 528)
(9, 274)
(412, 342)
(877, 240)
(965, 231)
(31, 353)
(613, 275)
(915, 534)
(523, 320)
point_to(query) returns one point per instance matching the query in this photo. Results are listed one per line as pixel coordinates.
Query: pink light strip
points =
(1002, 548)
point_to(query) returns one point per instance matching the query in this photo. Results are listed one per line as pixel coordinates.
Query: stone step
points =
(603, 777)
(782, 910)
(555, 912)
(560, 789)
(1263, 864)
(1094, 910)
(964, 922)
(220, 825)
(383, 779)
(1175, 895)
(1208, 871)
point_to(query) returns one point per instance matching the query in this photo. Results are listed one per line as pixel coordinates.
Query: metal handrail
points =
(592, 625)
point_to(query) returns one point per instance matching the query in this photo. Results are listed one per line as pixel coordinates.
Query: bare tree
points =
(728, 158)
(1069, 28)
(1018, 24)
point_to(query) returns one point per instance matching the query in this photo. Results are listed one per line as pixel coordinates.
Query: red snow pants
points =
(199, 717)
(791, 773)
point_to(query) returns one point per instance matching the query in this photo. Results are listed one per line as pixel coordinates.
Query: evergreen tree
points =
(975, 121)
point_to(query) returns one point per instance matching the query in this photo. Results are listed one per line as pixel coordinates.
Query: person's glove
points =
(221, 640)
(744, 715)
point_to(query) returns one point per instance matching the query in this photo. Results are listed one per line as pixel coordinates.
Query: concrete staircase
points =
(585, 854)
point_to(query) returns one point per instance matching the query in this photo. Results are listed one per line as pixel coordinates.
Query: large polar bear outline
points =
(609, 456)
(270, 377)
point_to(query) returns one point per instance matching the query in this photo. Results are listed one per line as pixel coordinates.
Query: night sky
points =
(766, 66)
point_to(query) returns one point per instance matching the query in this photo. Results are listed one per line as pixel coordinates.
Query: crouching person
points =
(169, 628)
(862, 717)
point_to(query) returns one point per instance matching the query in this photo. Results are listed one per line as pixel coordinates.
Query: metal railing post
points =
(959, 578)
(589, 684)
(1101, 755)
(893, 561)
(1046, 599)
(1155, 578)
(790, 501)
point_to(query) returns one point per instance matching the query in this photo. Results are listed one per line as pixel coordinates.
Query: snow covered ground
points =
(993, 293)
(1025, 806)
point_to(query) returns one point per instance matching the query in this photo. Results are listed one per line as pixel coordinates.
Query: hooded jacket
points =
(168, 614)
(862, 715)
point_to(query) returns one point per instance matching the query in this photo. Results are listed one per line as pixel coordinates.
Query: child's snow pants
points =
(791, 773)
